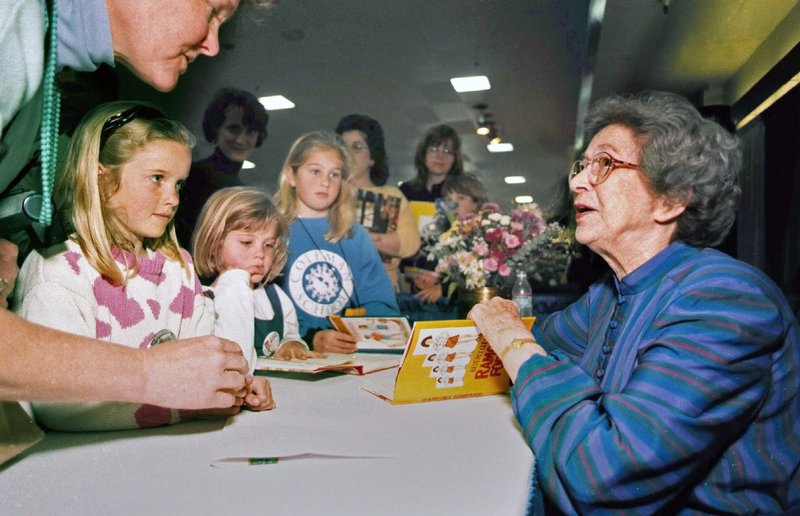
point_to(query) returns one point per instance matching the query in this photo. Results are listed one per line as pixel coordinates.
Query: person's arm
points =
(372, 285)
(43, 364)
(677, 398)
(499, 322)
(407, 229)
(8, 270)
(234, 311)
(388, 244)
(292, 345)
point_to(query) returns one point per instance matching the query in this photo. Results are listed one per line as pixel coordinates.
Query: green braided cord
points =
(51, 108)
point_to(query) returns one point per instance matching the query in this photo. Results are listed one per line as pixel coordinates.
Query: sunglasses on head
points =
(118, 120)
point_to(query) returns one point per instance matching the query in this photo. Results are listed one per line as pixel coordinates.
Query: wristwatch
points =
(516, 344)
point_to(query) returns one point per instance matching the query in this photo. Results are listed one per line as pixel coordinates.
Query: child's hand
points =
(425, 280)
(294, 349)
(430, 294)
(332, 341)
(259, 394)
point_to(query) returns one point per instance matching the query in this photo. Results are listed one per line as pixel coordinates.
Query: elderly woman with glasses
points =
(672, 384)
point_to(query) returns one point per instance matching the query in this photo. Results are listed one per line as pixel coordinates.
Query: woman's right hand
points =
(332, 341)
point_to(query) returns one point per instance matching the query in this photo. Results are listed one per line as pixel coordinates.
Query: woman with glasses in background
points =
(438, 157)
(384, 210)
(672, 385)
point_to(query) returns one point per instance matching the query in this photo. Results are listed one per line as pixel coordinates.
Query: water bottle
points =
(522, 294)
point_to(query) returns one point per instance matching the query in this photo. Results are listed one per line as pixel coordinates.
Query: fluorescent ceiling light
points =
(248, 164)
(276, 102)
(523, 199)
(500, 147)
(475, 83)
(514, 180)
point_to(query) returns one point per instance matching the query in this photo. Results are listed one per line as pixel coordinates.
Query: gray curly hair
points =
(684, 157)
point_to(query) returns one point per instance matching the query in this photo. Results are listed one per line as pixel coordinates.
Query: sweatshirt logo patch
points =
(321, 282)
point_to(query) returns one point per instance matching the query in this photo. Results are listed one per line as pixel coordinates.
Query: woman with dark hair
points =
(672, 385)
(236, 122)
(438, 157)
(398, 236)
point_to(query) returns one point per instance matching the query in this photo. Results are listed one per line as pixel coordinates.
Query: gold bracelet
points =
(516, 344)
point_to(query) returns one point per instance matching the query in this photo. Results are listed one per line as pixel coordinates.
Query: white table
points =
(447, 457)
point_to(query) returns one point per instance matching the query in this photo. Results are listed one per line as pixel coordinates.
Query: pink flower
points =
(494, 235)
(480, 249)
(490, 264)
(504, 270)
(511, 241)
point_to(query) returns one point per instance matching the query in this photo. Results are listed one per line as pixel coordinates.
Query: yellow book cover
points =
(423, 212)
(444, 360)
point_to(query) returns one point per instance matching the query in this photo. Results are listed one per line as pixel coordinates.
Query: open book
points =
(375, 333)
(444, 360)
(377, 212)
(355, 363)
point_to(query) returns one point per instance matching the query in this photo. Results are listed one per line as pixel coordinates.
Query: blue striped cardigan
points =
(674, 389)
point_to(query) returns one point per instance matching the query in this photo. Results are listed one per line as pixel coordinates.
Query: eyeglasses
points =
(599, 167)
(359, 146)
(447, 151)
(114, 122)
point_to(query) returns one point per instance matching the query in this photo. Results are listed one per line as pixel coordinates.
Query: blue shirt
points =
(325, 278)
(675, 389)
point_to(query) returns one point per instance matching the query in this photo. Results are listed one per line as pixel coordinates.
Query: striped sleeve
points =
(701, 372)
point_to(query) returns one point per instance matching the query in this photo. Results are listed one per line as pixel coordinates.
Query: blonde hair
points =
(82, 193)
(233, 209)
(341, 215)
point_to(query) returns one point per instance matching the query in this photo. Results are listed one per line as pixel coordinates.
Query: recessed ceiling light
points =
(500, 147)
(248, 164)
(276, 102)
(514, 180)
(474, 83)
(523, 199)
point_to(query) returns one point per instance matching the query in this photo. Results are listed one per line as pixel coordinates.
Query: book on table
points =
(375, 333)
(352, 363)
(444, 360)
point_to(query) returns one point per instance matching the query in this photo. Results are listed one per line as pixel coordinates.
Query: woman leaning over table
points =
(672, 384)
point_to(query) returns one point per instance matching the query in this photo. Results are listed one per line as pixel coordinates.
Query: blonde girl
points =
(121, 276)
(333, 266)
(240, 247)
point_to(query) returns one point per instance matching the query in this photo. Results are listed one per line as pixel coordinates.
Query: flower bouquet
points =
(485, 250)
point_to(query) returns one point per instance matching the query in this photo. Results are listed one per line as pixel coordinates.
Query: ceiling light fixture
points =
(523, 199)
(514, 180)
(500, 147)
(275, 102)
(485, 122)
(473, 83)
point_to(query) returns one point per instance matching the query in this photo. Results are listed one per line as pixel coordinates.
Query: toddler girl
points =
(333, 266)
(239, 245)
(121, 276)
